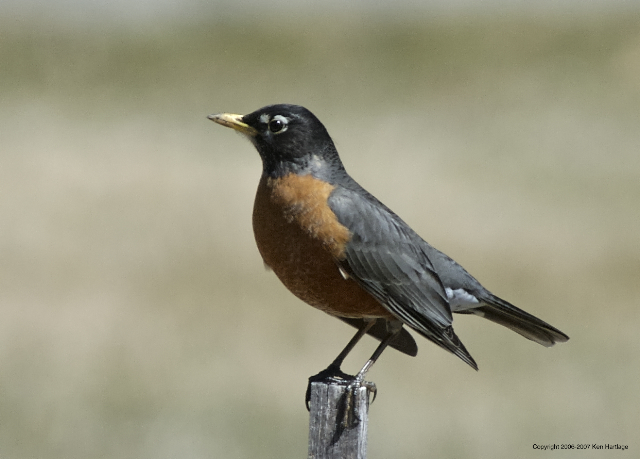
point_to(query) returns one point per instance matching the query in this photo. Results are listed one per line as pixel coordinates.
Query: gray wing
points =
(388, 259)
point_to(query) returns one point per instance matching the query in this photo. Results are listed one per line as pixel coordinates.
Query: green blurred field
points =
(136, 319)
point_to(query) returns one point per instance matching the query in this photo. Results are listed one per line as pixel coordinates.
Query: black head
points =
(289, 139)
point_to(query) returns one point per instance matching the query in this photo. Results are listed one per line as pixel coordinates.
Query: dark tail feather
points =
(504, 313)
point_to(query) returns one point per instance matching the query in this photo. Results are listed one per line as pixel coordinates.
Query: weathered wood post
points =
(337, 421)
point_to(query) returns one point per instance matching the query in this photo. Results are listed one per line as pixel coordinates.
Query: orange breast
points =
(300, 239)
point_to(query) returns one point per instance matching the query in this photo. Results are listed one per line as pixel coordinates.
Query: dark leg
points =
(359, 379)
(348, 409)
(337, 363)
(333, 370)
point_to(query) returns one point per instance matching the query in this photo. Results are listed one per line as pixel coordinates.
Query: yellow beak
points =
(234, 122)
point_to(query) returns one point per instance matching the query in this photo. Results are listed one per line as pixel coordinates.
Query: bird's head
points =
(289, 138)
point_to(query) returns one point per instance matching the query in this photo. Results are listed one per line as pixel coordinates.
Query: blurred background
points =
(136, 318)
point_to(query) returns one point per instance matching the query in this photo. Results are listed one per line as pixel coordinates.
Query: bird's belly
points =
(300, 239)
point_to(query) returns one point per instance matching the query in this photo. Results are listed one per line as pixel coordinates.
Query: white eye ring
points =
(278, 124)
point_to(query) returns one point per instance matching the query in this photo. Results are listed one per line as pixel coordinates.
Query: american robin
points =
(339, 249)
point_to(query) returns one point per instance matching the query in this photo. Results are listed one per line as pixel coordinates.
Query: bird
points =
(339, 249)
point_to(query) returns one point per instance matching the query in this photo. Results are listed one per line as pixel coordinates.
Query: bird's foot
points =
(349, 406)
(332, 373)
(370, 386)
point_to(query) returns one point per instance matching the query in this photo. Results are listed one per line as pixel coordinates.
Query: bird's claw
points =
(348, 408)
(348, 417)
(332, 373)
(371, 388)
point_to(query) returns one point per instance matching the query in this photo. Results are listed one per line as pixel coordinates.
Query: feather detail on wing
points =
(384, 256)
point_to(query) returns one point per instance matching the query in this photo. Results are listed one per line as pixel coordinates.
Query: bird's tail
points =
(504, 313)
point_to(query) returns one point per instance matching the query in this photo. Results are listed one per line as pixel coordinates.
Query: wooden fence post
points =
(337, 429)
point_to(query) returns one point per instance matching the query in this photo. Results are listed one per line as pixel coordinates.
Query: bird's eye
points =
(278, 124)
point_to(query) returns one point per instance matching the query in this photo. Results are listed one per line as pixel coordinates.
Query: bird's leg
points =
(337, 362)
(349, 410)
(333, 370)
